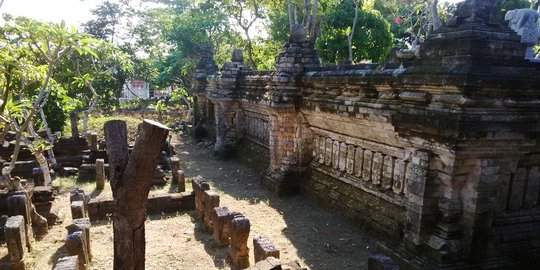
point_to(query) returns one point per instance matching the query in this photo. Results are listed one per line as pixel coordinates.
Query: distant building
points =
(135, 89)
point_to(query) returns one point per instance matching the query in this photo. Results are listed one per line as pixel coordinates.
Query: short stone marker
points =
(76, 245)
(181, 180)
(67, 263)
(238, 249)
(199, 185)
(220, 223)
(82, 224)
(264, 248)
(77, 210)
(175, 167)
(93, 141)
(211, 201)
(100, 174)
(14, 232)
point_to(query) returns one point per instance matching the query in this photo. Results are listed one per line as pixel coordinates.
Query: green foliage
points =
(39, 146)
(372, 39)
(57, 110)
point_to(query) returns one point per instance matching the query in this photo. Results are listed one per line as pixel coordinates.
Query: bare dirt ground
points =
(305, 234)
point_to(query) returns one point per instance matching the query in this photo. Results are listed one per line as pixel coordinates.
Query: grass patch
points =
(67, 184)
(95, 124)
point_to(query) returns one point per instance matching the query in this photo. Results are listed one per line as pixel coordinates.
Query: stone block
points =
(381, 262)
(211, 201)
(67, 263)
(342, 157)
(181, 182)
(220, 223)
(77, 210)
(238, 249)
(387, 172)
(264, 248)
(38, 177)
(269, 263)
(15, 235)
(100, 174)
(93, 209)
(78, 195)
(76, 245)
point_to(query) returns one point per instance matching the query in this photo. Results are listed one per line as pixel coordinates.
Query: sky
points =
(73, 12)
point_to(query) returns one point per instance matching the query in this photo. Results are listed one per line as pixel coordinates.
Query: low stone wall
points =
(364, 209)
(103, 208)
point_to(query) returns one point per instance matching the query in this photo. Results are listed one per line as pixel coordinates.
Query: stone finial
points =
(237, 56)
(298, 33)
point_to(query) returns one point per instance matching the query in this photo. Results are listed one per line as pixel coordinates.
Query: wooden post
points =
(131, 187)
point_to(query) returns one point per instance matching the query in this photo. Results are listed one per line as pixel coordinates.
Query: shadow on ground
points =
(321, 239)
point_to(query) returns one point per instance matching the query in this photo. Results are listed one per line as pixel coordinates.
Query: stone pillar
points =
(238, 249)
(220, 223)
(421, 211)
(93, 141)
(288, 137)
(181, 181)
(264, 248)
(74, 128)
(199, 185)
(206, 67)
(175, 167)
(223, 92)
(211, 201)
(37, 175)
(14, 232)
(100, 174)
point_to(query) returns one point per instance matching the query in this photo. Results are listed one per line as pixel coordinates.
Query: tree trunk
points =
(351, 34)
(131, 193)
(117, 150)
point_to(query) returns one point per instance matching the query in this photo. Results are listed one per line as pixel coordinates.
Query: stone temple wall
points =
(441, 156)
